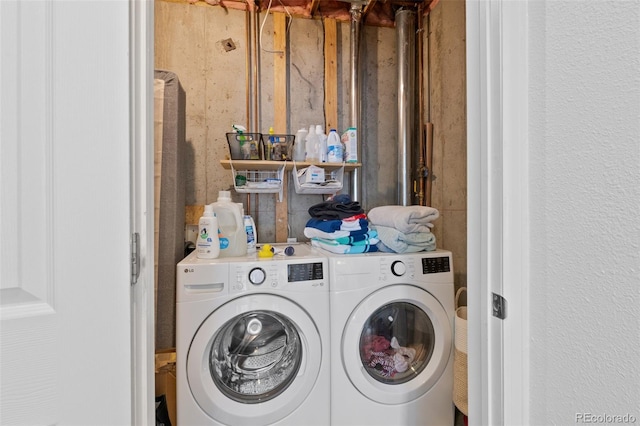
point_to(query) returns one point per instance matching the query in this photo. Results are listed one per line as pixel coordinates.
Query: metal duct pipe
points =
(354, 100)
(406, 30)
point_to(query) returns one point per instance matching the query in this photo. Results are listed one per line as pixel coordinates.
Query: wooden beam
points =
(368, 8)
(280, 72)
(192, 214)
(331, 74)
(280, 112)
(313, 7)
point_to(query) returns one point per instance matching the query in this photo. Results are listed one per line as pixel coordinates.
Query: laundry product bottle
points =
(208, 244)
(322, 144)
(300, 145)
(312, 146)
(269, 148)
(334, 147)
(350, 140)
(233, 238)
(252, 234)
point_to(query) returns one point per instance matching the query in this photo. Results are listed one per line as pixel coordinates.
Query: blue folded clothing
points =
(338, 225)
(365, 247)
(335, 209)
(345, 237)
(372, 235)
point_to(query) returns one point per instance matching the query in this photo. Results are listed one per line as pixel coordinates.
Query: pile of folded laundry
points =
(404, 229)
(340, 226)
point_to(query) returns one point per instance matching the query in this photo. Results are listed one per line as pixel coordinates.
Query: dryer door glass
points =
(396, 343)
(255, 356)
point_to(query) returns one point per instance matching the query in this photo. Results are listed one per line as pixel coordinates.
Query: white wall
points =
(584, 136)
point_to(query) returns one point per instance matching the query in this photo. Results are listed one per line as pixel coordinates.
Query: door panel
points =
(64, 213)
(29, 319)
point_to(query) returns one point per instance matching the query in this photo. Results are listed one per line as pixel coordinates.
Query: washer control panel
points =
(398, 268)
(257, 276)
(274, 275)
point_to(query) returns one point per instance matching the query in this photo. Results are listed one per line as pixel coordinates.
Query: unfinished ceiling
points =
(375, 12)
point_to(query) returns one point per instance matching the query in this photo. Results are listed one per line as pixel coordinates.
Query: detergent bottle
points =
(208, 245)
(334, 146)
(300, 145)
(312, 146)
(322, 144)
(231, 230)
(252, 234)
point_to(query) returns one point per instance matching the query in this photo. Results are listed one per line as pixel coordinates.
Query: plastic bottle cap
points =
(208, 211)
(224, 195)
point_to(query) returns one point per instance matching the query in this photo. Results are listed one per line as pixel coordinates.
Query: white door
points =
(66, 215)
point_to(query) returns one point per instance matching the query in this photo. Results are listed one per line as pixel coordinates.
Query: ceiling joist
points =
(379, 13)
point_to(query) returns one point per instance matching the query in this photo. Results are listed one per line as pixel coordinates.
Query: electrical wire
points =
(265, 20)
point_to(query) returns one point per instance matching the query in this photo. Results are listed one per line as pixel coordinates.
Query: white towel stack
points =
(404, 229)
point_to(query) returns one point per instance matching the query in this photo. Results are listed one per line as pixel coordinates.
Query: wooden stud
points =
(192, 214)
(280, 112)
(331, 74)
(280, 72)
(313, 7)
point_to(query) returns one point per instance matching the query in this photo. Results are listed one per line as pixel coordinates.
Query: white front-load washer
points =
(253, 340)
(392, 339)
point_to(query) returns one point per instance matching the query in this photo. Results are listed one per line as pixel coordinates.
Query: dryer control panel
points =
(400, 268)
(435, 265)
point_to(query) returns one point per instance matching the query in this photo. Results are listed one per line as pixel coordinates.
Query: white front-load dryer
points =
(392, 339)
(253, 340)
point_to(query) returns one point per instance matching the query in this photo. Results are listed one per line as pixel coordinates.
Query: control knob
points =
(257, 276)
(398, 268)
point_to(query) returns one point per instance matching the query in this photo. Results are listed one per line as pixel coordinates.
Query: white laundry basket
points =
(460, 376)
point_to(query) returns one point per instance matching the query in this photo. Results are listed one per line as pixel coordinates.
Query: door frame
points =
(141, 68)
(497, 210)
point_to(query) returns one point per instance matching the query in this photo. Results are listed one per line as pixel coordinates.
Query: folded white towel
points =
(405, 219)
(399, 242)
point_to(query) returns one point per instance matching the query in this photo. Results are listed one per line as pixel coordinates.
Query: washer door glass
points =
(255, 356)
(396, 343)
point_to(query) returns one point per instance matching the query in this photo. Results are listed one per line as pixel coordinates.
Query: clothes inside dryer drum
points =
(255, 356)
(396, 343)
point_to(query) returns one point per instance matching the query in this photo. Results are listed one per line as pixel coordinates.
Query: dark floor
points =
(459, 419)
